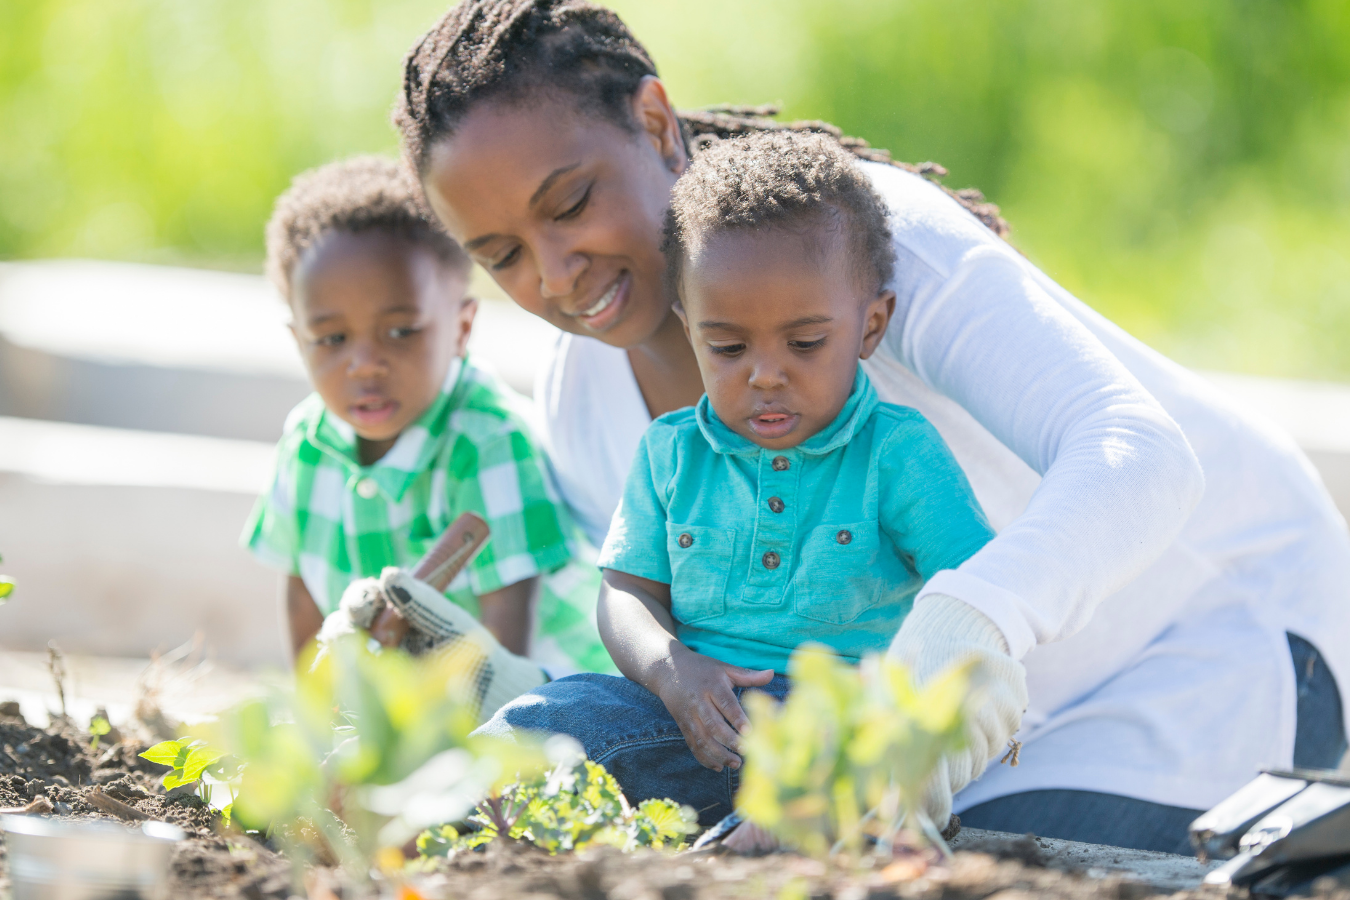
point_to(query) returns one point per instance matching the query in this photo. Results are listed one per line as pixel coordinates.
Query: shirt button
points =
(771, 560)
(776, 504)
(367, 488)
(686, 540)
(844, 536)
(781, 464)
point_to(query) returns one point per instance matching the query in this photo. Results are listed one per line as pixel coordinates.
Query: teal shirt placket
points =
(775, 532)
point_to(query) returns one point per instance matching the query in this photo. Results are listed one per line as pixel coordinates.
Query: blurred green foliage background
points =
(1183, 167)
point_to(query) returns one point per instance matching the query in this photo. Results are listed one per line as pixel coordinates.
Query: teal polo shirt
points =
(827, 541)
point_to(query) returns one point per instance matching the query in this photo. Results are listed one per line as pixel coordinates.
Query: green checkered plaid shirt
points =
(330, 520)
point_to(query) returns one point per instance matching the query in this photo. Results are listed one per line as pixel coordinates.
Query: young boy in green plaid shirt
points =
(403, 433)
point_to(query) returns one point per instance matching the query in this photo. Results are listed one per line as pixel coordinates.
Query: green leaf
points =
(198, 758)
(166, 753)
(6, 587)
(99, 726)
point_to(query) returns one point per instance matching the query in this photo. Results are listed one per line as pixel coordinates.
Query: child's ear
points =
(468, 308)
(875, 319)
(678, 308)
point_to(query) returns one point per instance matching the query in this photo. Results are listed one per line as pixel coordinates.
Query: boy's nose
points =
(366, 360)
(766, 374)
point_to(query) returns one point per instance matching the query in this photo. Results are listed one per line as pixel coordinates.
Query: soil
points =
(57, 764)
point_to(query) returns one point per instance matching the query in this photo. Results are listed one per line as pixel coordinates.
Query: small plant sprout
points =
(573, 806)
(846, 756)
(98, 727)
(196, 763)
(6, 586)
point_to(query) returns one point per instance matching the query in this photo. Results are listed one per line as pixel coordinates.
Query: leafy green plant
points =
(366, 750)
(98, 727)
(193, 762)
(574, 806)
(847, 754)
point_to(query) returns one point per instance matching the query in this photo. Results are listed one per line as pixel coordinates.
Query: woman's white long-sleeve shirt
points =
(1154, 543)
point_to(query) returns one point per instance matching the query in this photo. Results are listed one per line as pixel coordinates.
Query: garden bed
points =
(58, 765)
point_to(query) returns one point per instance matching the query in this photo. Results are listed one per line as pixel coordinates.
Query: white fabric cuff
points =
(1003, 607)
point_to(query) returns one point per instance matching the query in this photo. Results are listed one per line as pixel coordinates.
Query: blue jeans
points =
(626, 728)
(1099, 818)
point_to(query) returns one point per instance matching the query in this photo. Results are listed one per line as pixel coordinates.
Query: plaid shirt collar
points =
(412, 453)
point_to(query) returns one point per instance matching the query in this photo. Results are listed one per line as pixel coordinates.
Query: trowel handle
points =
(453, 550)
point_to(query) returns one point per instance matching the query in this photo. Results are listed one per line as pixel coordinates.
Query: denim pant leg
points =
(1101, 818)
(625, 728)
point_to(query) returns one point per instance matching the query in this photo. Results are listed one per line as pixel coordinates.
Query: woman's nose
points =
(559, 269)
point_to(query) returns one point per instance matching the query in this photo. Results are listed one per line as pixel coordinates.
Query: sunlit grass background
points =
(1183, 167)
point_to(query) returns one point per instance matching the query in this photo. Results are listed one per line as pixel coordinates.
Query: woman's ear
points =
(876, 317)
(657, 119)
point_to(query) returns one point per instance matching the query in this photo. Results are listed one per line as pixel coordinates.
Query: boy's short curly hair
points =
(777, 179)
(365, 193)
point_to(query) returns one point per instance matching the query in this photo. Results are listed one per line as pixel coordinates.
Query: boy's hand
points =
(700, 693)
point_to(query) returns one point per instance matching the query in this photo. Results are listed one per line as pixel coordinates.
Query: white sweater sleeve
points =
(1119, 479)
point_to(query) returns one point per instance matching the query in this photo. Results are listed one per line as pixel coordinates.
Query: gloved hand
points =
(939, 632)
(436, 624)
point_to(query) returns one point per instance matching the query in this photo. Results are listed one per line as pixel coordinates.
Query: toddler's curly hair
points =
(365, 193)
(779, 180)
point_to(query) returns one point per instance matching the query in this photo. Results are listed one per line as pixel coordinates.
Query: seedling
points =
(576, 805)
(98, 726)
(366, 751)
(6, 586)
(192, 761)
(846, 756)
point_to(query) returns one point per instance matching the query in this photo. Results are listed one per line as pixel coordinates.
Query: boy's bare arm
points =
(303, 619)
(699, 691)
(509, 614)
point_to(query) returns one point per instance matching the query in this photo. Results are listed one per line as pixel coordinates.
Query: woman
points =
(1163, 615)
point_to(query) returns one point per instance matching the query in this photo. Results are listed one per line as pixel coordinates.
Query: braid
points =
(706, 127)
(516, 50)
(520, 50)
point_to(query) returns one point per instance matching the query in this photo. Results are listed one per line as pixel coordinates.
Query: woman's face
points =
(565, 210)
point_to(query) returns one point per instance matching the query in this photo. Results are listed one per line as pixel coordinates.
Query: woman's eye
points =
(806, 345)
(330, 340)
(507, 259)
(575, 209)
(726, 349)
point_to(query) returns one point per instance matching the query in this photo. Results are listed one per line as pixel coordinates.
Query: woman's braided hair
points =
(518, 51)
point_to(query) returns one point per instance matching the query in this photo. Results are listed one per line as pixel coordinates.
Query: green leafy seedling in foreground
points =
(574, 806)
(846, 756)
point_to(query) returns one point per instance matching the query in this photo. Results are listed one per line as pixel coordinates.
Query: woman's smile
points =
(609, 308)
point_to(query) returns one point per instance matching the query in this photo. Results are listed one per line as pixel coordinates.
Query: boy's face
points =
(778, 324)
(378, 320)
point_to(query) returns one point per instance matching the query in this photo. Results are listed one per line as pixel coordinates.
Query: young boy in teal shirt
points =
(788, 505)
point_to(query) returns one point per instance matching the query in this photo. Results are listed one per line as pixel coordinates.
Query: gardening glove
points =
(436, 623)
(940, 632)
